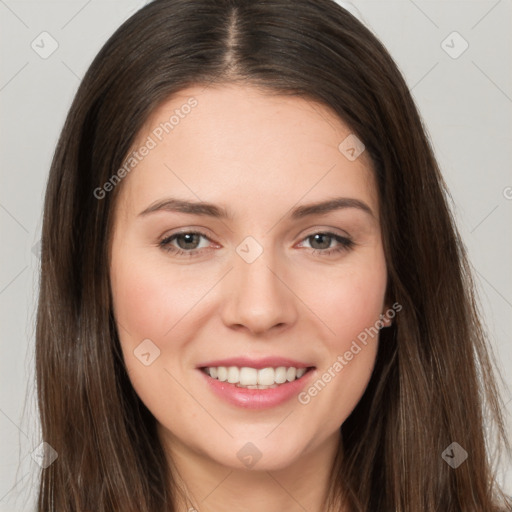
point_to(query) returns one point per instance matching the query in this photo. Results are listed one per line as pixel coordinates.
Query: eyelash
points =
(345, 244)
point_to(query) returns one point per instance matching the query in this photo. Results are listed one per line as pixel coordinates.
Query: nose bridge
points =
(256, 297)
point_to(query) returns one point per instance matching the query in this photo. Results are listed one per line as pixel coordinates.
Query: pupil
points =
(324, 240)
(190, 238)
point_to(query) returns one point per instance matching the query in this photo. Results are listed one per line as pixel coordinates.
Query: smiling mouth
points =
(252, 378)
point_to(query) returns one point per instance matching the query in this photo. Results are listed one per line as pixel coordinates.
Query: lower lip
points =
(257, 398)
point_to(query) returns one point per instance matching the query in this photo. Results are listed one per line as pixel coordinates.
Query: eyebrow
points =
(212, 210)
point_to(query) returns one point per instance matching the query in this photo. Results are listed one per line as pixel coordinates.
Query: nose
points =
(257, 297)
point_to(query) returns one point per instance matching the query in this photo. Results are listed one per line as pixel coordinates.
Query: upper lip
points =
(264, 362)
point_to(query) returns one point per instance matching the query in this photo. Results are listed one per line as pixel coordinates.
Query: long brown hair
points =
(434, 381)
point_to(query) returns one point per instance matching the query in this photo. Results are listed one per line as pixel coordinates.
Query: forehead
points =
(240, 145)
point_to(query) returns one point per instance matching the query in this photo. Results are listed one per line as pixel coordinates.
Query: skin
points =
(258, 155)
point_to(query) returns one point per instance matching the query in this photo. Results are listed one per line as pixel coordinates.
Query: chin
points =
(260, 453)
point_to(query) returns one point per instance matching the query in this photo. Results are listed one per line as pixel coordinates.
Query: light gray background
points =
(466, 103)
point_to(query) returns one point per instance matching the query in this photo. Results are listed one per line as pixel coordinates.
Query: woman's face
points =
(224, 257)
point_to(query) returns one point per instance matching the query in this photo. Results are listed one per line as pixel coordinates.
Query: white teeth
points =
(233, 375)
(280, 375)
(222, 373)
(253, 378)
(291, 373)
(248, 376)
(266, 376)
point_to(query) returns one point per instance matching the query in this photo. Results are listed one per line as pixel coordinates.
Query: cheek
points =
(347, 301)
(149, 301)
(353, 313)
(152, 305)
(351, 308)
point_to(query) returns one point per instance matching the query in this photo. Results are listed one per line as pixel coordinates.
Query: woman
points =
(253, 294)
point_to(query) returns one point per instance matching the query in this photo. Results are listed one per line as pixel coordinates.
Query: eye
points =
(321, 242)
(192, 243)
(188, 242)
